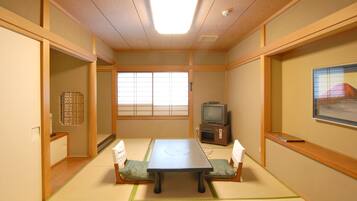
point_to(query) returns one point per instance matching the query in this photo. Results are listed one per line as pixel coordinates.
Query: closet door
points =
(20, 117)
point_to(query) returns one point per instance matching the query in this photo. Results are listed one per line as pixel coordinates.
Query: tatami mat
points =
(174, 186)
(257, 183)
(96, 181)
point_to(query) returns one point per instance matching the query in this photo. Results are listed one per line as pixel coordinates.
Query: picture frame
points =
(335, 94)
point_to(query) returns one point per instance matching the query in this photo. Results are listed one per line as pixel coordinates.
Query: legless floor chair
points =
(224, 171)
(129, 171)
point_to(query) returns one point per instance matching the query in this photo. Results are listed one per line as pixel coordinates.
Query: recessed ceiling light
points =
(173, 16)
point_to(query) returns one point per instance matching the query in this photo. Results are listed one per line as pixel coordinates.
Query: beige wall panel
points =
(104, 102)
(207, 86)
(209, 58)
(310, 179)
(244, 101)
(297, 92)
(152, 128)
(276, 95)
(69, 74)
(301, 14)
(66, 27)
(246, 46)
(104, 49)
(20, 114)
(152, 57)
(29, 9)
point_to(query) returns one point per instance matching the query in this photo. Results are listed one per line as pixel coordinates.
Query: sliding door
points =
(20, 118)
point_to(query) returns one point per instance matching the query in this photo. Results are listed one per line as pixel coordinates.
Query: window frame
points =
(153, 117)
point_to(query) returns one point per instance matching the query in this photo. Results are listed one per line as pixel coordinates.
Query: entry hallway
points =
(96, 181)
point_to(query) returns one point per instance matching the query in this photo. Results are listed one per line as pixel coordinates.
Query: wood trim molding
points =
(151, 68)
(105, 68)
(171, 68)
(152, 118)
(332, 159)
(339, 21)
(208, 68)
(45, 119)
(23, 26)
(265, 124)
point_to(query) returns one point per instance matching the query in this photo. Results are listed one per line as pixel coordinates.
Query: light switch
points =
(35, 133)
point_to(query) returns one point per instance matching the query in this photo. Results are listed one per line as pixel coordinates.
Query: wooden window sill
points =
(332, 159)
(152, 118)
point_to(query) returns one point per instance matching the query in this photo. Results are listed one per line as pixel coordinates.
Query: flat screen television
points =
(335, 94)
(214, 113)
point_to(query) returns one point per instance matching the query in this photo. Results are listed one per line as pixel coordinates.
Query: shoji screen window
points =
(134, 94)
(153, 94)
(170, 94)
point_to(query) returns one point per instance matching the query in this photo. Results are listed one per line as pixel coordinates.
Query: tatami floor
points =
(95, 182)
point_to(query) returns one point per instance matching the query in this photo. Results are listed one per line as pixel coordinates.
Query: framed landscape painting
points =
(335, 94)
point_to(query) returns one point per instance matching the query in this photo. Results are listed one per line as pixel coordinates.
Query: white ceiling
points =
(127, 24)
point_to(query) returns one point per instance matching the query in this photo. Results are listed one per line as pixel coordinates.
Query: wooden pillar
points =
(114, 100)
(190, 97)
(45, 104)
(45, 119)
(265, 124)
(92, 105)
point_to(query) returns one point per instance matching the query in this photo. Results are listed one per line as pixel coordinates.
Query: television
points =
(214, 113)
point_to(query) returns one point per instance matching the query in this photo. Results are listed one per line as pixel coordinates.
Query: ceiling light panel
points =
(173, 16)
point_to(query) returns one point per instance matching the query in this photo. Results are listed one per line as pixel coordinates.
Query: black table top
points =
(178, 155)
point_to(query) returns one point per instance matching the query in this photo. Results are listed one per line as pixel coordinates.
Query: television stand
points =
(215, 134)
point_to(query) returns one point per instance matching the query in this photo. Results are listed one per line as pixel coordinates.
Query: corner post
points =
(92, 104)
(265, 123)
(45, 103)
(114, 101)
(190, 96)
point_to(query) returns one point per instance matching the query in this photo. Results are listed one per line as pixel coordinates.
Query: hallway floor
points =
(62, 172)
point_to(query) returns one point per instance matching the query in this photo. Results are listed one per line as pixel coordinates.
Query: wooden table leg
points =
(157, 188)
(201, 184)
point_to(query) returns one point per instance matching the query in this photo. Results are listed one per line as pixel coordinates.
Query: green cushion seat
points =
(221, 169)
(135, 170)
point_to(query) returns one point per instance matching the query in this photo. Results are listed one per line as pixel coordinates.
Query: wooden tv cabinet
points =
(215, 134)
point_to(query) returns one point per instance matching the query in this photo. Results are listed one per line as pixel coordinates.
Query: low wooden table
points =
(179, 155)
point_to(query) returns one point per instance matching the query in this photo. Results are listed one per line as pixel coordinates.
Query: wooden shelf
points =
(332, 159)
(56, 135)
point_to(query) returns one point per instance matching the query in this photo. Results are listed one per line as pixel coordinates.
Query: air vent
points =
(207, 38)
